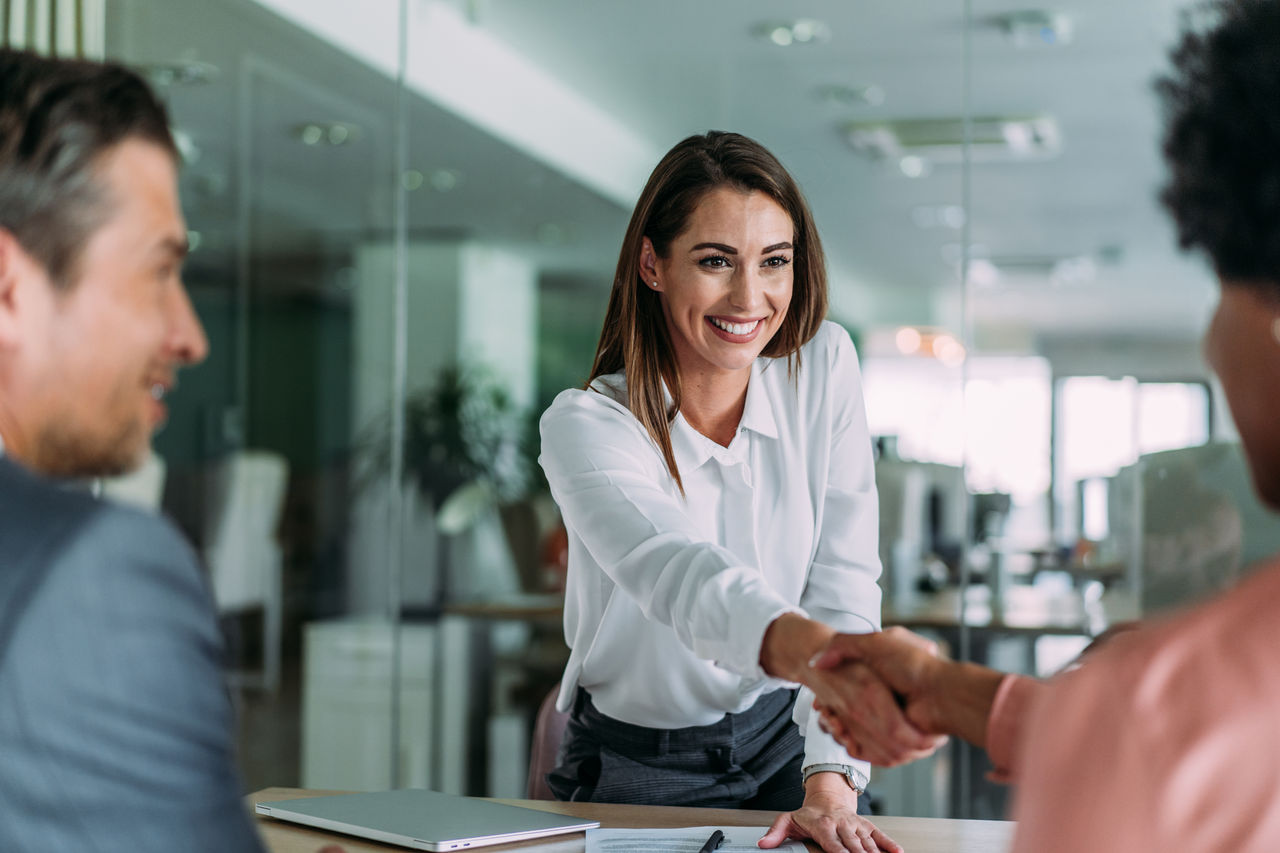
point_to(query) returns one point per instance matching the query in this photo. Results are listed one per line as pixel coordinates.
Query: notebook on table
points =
(423, 820)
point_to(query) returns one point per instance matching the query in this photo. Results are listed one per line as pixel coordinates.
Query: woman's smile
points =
(726, 282)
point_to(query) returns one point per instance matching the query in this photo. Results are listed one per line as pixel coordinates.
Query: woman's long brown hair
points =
(635, 338)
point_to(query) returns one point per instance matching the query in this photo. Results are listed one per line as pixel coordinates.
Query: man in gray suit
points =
(116, 731)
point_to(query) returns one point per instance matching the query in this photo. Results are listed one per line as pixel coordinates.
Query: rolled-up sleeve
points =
(601, 468)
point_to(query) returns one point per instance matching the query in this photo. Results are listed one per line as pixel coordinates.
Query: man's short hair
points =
(57, 118)
(1222, 139)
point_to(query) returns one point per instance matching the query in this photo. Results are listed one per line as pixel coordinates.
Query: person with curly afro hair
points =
(1166, 737)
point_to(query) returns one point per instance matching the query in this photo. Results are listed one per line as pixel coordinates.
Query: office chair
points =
(548, 732)
(241, 550)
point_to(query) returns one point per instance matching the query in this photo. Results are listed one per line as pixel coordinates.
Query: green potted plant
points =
(467, 450)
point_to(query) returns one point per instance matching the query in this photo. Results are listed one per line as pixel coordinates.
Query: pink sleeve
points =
(1006, 722)
(1165, 740)
(1168, 746)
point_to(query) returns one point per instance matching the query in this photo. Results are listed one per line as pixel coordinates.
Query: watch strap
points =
(851, 775)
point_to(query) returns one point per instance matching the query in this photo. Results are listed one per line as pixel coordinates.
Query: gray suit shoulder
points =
(115, 723)
(46, 527)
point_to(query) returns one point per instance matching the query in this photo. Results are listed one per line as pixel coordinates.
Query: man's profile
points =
(115, 726)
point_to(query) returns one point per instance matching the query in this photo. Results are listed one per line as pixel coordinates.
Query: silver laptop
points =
(424, 820)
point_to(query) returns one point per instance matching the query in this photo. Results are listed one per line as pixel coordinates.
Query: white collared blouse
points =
(668, 596)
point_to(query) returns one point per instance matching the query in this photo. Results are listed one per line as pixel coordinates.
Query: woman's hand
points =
(845, 689)
(830, 817)
(871, 724)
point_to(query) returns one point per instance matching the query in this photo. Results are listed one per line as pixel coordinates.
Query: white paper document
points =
(689, 839)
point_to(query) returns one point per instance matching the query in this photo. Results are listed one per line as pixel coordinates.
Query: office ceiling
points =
(662, 69)
(669, 68)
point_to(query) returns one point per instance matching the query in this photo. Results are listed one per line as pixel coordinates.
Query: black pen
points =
(716, 839)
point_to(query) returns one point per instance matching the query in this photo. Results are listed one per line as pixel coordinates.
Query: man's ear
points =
(18, 274)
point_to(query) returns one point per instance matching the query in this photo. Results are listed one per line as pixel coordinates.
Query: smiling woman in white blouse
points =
(716, 481)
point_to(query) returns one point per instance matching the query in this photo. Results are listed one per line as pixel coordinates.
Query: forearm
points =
(961, 698)
(789, 643)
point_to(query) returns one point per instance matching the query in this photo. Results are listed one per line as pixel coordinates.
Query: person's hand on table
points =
(905, 665)
(829, 816)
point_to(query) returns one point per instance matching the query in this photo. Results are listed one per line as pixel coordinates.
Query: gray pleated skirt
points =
(748, 760)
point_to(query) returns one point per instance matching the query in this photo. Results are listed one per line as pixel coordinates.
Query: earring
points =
(655, 287)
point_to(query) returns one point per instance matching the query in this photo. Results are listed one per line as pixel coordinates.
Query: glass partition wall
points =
(402, 258)
(275, 454)
(1136, 499)
(405, 222)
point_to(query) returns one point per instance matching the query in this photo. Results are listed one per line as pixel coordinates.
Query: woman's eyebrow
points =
(728, 250)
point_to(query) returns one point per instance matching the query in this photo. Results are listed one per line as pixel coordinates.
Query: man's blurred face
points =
(101, 355)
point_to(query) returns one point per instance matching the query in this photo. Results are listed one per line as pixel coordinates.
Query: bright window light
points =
(1006, 442)
(1172, 415)
(1106, 424)
(1096, 427)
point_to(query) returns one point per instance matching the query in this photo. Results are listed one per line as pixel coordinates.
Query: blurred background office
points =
(405, 215)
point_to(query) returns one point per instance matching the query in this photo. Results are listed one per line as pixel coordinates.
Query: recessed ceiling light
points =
(943, 140)
(798, 31)
(412, 179)
(986, 270)
(1080, 269)
(938, 216)
(1034, 27)
(187, 72)
(913, 166)
(333, 133)
(444, 180)
(849, 96)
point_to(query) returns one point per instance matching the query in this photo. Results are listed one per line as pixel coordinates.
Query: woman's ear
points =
(649, 264)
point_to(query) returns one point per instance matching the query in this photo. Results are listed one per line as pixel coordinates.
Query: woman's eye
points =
(714, 261)
(777, 261)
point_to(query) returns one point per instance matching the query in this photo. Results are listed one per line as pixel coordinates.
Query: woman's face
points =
(726, 281)
(1242, 347)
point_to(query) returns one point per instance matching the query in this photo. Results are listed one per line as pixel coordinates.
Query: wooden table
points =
(916, 834)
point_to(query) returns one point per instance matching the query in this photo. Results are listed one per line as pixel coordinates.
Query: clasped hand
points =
(873, 693)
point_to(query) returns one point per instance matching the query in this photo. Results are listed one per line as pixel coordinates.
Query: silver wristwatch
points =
(855, 779)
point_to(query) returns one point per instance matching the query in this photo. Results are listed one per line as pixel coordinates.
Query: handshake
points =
(890, 698)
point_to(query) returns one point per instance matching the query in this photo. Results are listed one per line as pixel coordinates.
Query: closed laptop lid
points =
(423, 820)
